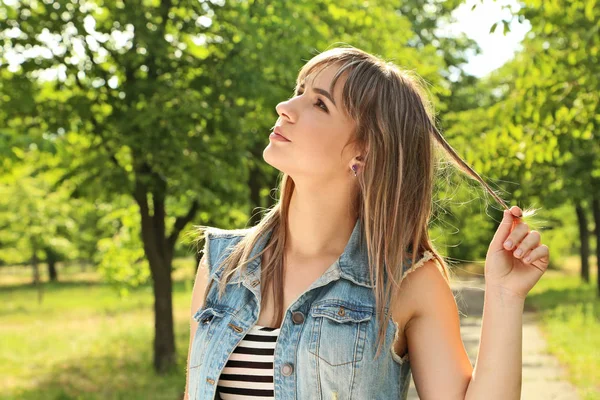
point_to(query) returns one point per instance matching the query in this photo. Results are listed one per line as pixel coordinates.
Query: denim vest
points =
(327, 341)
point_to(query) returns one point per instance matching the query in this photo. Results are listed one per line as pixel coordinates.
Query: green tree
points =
(170, 102)
(536, 121)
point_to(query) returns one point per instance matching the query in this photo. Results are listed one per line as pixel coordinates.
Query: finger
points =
(539, 253)
(530, 241)
(516, 211)
(503, 229)
(516, 236)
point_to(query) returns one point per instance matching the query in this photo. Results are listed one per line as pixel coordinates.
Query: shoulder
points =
(423, 289)
(431, 327)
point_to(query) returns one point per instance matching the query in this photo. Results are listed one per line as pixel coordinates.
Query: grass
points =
(85, 342)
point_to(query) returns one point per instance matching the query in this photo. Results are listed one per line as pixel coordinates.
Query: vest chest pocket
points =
(338, 331)
(207, 318)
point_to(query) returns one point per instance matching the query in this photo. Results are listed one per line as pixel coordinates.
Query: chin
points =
(277, 161)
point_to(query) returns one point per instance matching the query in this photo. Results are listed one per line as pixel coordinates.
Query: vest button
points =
(211, 381)
(254, 283)
(287, 369)
(236, 328)
(341, 312)
(297, 317)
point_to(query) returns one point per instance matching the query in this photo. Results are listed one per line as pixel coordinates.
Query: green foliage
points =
(172, 101)
(31, 217)
(121, 260)
(531, 127)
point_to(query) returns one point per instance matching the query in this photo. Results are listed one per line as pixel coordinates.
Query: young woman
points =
(302, 305)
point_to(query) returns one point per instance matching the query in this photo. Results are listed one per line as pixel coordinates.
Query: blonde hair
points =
(396, 131)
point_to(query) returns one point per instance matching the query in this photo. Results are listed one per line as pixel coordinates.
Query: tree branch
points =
(181, 222)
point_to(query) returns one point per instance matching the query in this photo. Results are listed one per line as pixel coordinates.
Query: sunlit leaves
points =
(121, 260)
(545, 122)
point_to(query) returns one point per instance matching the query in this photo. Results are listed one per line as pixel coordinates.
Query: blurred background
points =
(124, 123)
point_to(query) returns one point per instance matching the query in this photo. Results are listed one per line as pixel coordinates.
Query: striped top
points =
(248, 373)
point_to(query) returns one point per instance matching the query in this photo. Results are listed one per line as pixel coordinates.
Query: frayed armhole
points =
(396, 357)
(204, 260)
(427, 255)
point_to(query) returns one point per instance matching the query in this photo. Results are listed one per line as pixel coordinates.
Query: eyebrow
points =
(323, 92)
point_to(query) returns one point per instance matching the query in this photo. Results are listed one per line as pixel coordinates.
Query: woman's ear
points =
(357, 164)
(359, 160)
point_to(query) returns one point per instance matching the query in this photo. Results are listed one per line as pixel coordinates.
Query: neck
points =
(320, 222)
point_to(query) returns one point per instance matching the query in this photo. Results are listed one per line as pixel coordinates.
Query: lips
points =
(277, 131)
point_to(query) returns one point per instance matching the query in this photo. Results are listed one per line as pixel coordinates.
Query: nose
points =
(285, 110)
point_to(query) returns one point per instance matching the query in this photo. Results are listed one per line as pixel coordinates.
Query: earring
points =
(354, 169)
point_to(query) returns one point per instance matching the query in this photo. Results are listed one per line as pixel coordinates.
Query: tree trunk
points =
(154, 248)
(584, 237)
(596, 213)
(51, 258)
(164, 336)
(159, 251)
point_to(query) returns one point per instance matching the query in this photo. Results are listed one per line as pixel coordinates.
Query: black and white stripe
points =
(248, 373)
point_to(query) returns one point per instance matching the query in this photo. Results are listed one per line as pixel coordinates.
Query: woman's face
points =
(317, 127)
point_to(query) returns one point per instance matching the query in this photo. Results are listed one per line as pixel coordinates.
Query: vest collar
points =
(352, 264)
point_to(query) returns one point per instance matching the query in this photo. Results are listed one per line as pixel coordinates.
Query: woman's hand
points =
(505, 268)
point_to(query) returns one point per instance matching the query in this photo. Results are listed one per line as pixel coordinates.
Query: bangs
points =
(318, 64)
(363, 71)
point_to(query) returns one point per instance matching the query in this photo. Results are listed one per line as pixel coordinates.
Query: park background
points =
(125, 123)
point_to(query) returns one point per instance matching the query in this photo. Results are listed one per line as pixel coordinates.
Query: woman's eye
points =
(319, 102)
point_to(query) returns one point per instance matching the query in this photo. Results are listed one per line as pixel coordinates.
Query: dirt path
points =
(543, 377)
